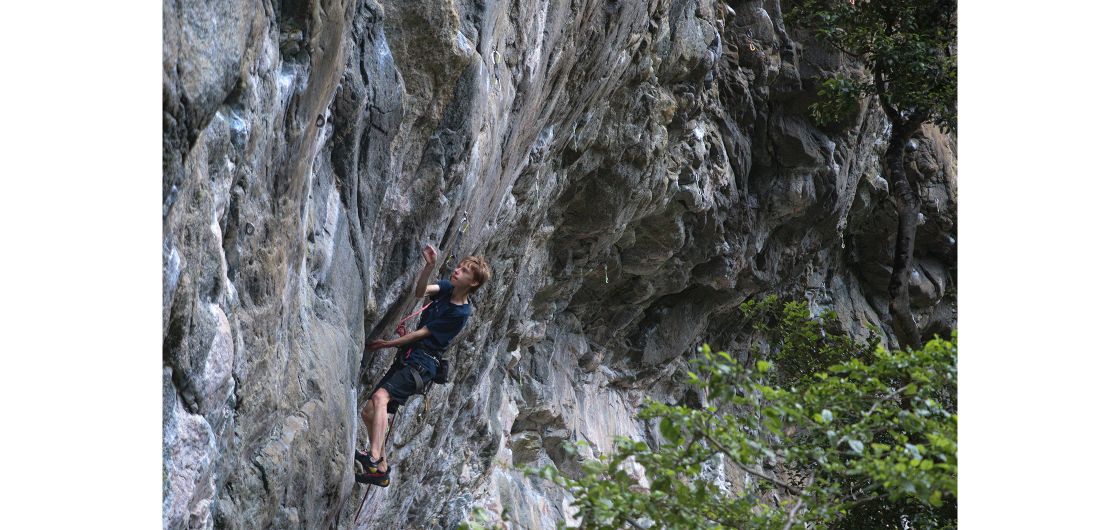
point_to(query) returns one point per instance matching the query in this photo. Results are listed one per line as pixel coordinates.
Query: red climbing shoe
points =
(370, 474)
(377, 478)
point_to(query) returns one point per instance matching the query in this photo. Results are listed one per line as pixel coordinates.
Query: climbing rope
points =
(362, 505)
(401, 330)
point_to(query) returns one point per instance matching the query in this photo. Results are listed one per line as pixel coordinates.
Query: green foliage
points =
(908, 45)
(840, 96)
(860, 442)
(797, 342)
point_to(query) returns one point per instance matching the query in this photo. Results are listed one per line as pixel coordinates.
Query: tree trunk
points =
(906, 204)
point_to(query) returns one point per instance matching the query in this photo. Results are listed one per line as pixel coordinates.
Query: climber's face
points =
(463, 277)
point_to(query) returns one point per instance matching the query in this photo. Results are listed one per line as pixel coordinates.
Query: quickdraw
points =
(464, 225)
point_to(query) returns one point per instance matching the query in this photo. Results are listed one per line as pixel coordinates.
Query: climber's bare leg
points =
(375, 415)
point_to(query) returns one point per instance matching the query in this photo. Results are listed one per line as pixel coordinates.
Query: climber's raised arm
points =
(422, 287)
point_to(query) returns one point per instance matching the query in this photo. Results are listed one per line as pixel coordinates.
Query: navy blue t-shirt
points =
(444, 319)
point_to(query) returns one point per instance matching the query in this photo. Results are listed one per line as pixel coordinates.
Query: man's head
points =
(472, 272)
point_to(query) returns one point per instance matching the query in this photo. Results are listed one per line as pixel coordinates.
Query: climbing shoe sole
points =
(370, 478)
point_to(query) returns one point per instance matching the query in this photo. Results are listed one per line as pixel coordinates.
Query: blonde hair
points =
(480, 270)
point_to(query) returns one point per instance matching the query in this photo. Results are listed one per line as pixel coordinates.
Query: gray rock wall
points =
(632, 170)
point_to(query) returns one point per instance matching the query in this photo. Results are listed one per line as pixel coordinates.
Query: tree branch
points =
(881, 89)
(915, 122)
(866, 500)
(792, 513)
(800, 501)
(842, 49)
(883, 399)
(744, 467)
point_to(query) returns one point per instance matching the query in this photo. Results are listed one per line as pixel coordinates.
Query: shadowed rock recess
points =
(632, 170)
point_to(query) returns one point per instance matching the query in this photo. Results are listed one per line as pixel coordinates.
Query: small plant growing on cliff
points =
(909, 48)
(860, 443)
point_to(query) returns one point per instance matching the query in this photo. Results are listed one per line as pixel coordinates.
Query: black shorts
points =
(400, 384)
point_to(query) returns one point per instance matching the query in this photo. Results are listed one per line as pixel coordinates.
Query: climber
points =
(415, 366)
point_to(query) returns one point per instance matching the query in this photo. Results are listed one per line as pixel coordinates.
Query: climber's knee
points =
(380, 398)
(368, 410)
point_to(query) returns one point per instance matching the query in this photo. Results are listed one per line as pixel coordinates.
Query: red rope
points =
(362, 505)
(400, 326)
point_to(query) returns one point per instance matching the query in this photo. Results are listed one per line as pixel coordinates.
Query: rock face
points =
(632, 170)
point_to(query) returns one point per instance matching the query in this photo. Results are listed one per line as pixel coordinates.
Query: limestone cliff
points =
(632, 170)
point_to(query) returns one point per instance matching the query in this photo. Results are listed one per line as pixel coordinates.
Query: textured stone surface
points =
(632, 170)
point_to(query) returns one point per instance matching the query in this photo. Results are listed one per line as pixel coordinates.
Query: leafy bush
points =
(862, 442)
